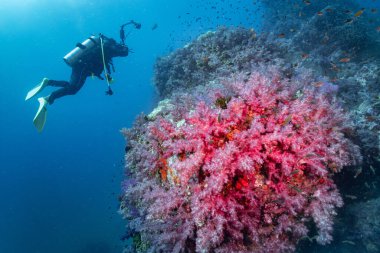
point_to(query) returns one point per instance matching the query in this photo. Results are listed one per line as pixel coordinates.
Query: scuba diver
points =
(89, 58)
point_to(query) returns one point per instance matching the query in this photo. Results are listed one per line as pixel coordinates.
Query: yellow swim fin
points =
(37, 89)
(40, 118)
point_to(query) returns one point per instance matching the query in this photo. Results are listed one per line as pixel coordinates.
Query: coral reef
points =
(214, 55)
(238, 166)
(340, 53)
(242, 157)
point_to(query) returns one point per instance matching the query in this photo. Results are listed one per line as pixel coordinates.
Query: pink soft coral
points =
(237, 167)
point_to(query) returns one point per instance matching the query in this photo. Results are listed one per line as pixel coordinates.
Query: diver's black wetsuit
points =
(92, 65)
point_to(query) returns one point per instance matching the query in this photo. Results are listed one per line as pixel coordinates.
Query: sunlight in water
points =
(22, 5)
(18, 3)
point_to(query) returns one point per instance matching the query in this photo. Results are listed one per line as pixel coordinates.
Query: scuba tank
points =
(81, 50)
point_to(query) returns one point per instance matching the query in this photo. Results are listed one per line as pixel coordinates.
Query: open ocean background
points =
(59, 189)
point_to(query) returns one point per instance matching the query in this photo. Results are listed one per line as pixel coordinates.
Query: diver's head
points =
(123, 49)
(116, 49)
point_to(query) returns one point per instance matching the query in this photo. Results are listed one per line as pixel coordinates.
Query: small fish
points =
(296, 188)
(294, 172)
(329, 10)
(307, 2)
(281, 35)
(287, 120)
(319, 13)
(373, 10)
(359, 13)
(318, 84)
(353, 197)
(372, 169)
(305, 56)
(154, 27)
(378, 29)
(358, 172)
(347, 11)
(348, 242)
(346, 59)
(348, 21)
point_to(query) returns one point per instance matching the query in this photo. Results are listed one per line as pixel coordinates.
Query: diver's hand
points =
(109, 92)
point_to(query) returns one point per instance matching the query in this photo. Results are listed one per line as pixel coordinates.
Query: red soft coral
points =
(238, 167)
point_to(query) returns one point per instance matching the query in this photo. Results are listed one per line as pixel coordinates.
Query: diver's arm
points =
(108, 69)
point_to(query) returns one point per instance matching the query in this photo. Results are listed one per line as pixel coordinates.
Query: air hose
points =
(109, 92)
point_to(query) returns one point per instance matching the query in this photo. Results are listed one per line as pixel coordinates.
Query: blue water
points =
(59, 188)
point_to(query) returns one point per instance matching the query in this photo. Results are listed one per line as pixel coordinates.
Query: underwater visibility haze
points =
(234, 126)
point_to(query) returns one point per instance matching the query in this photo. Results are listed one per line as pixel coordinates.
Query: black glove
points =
(109, 92)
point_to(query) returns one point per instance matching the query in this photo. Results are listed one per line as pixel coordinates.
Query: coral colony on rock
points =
(240, 153)
(237, 167)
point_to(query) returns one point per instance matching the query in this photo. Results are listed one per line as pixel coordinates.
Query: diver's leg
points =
(55, 83)
(78, 78)
(45, 82)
